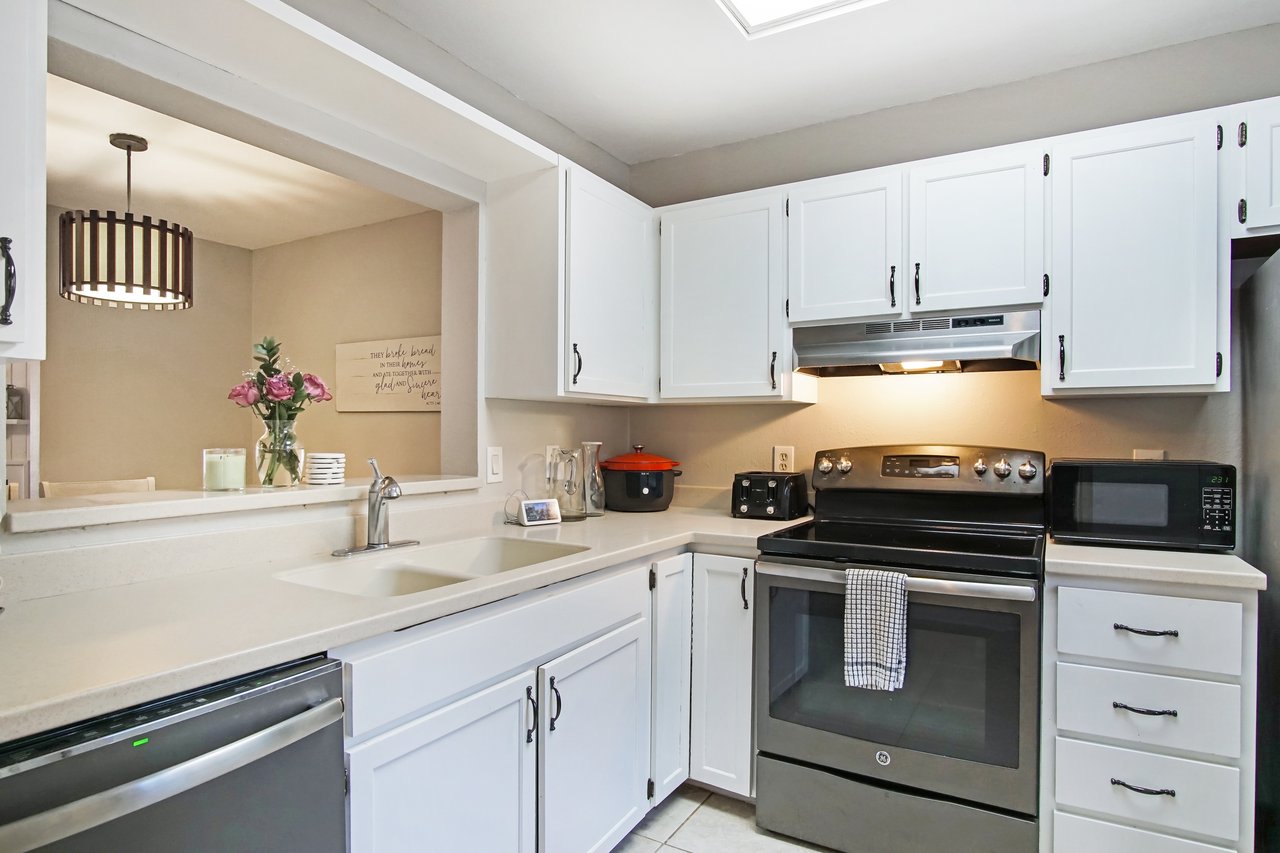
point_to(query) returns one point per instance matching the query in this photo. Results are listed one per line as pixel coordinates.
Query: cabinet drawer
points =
(1208, 632)
(389, 677)
(1072, 834)
(1207, 720)
(1206, 796)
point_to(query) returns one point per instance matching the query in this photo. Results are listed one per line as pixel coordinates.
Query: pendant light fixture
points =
(125, 261)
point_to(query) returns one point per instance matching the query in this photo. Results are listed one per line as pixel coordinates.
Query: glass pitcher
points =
(593, 478)
(567, 485)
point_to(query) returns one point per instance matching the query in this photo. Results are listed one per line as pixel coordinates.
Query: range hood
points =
(993, 340)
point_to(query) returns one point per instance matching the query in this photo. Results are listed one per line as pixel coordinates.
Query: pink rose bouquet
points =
(277, 395)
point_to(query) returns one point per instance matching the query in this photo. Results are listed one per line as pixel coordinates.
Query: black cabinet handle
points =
(745, 604)
(773, 367)
(10, 282)
(893, 299)
(1062, 358)
(1150, 792)
(1149, 712)
(1146, 632)
(559, 704)
(578, 366)
(528, 694)
(917, 284)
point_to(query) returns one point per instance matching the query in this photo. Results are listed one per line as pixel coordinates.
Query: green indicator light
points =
(141, 741)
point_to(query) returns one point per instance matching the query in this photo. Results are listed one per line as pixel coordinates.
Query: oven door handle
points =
(933, 586)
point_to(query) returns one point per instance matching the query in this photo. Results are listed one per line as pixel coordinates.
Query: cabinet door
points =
(672, 629)
(1134, 271)
(723, 293)
(460, 778)
(23, 51)
(977, 231)
(721, 747)
(1262, 165)
(611, 279)
(594, 732)
(844, 239)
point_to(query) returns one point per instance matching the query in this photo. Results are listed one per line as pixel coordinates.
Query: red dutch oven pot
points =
(639, 481)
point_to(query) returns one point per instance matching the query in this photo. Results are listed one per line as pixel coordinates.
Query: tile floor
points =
(693, 820)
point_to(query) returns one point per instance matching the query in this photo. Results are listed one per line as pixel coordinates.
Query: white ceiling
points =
(222, 189)
(652, 79)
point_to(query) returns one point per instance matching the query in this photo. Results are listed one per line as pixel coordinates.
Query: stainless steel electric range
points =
(949, 762)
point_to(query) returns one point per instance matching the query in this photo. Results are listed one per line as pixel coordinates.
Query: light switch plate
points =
(493, 469)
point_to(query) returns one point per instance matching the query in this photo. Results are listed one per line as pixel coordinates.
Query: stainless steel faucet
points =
(381, 490)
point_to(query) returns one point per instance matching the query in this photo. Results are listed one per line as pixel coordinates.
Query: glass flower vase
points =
(278, 455)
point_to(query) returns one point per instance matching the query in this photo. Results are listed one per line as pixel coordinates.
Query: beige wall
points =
(136, 393)
(1211, 72)
(712, 443)
(379, 281)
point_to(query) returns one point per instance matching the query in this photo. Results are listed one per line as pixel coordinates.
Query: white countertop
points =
(1189, 567)
(67, 657)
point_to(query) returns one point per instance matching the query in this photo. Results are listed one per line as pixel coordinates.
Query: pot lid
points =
(638, 460)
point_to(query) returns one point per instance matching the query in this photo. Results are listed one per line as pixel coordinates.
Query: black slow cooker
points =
(639, 481)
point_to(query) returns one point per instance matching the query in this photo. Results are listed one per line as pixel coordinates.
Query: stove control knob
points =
(844, 465)
(980, 467)
(1002, 468)
(824, 465)
(1027, 470)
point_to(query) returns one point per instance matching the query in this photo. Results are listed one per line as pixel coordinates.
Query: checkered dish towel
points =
(875, 629)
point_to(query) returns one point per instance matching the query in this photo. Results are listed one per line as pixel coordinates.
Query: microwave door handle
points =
(94, 810)
(932, 586)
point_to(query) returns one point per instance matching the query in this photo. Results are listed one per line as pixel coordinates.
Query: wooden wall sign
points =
(397, 375)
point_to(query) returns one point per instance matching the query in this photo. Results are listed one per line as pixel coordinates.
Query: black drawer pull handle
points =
(10, 282)
(745, 605)
(1150, 792)
(578, 368)
(1146, 632)
(917, 284)
(893, 299)
(1150, 712)
(528, 736)
(559, 704)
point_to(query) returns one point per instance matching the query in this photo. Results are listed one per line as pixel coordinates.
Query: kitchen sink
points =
(490, 555)
(429, 567)
(372, 580)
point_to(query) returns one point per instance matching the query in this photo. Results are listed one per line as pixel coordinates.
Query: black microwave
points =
(1184, 505)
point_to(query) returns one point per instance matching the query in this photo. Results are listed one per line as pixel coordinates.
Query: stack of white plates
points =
(324, 469)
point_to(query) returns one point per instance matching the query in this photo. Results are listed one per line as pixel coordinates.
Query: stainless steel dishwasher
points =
(249, 764)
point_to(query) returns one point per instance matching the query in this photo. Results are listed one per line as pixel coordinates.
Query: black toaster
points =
(769, 494)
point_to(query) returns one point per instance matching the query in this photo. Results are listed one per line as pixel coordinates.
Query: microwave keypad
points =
(1217, 508)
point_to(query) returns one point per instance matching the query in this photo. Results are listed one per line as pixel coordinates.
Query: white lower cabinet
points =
(672, 629)
(1148, 715)
(518, 726)
(721, 742)
(460, 778)
(593, 734)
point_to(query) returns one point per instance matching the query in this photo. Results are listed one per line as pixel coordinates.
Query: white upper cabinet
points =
(572, 290)
(1134, 277)
(723, 297)
(976, 236)
(611, 258)
(1261, 137)
(845, 247)
(23, 54)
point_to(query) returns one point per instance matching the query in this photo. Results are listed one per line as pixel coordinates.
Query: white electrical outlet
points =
(553, 454)
(784, 459)
(1139, 453)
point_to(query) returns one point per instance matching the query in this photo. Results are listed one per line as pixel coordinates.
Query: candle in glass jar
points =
(224, 469)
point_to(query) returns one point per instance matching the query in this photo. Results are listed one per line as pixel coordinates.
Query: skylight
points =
(765, 17)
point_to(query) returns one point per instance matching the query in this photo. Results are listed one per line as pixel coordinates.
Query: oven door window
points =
(961, 692)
